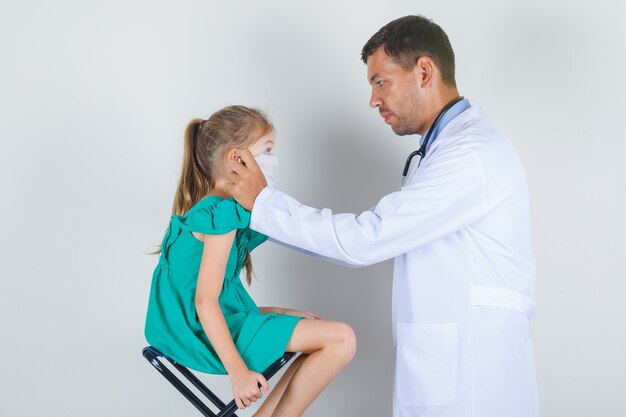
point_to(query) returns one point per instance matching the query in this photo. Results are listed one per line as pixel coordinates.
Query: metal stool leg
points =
(198, 384)
(152, 355)
(153, 358)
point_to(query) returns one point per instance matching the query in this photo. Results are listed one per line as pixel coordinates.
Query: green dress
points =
(172, 324)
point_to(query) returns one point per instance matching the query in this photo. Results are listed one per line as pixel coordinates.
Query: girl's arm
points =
(268, 310)
(210, 281)
(289, 311)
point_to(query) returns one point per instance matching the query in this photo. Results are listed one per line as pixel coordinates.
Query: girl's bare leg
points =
(269, 404)
(330, 346)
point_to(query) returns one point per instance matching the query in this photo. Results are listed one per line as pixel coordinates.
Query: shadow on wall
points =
(344, 163)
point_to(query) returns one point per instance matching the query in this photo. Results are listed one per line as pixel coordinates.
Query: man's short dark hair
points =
(409, 38)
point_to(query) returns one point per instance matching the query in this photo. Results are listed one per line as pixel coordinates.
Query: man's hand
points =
(245, 178)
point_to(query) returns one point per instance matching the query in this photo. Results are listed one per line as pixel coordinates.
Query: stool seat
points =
(153, 356)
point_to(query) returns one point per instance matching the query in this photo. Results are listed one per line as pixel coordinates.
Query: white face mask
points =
(269, 166)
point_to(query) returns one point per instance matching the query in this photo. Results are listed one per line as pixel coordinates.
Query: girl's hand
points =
(246, 387)
(300, 313)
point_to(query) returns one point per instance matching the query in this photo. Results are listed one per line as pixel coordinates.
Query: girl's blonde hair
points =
(206, 142)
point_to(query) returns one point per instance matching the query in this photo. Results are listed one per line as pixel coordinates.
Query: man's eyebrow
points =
(374, 76)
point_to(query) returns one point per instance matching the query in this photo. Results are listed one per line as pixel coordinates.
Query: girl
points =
(200, 314)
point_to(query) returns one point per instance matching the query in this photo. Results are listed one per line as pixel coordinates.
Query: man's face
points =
(395, 92)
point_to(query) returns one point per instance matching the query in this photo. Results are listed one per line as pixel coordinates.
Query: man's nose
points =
(375, 100)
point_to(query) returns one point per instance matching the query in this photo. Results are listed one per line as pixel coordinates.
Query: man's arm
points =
(448, 196)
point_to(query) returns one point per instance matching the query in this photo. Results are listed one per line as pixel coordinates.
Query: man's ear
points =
(425, 68)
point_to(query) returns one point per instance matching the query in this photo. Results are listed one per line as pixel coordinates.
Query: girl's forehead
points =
(268, 138)
(271, 136)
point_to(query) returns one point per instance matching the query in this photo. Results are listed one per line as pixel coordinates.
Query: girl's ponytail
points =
(195, 182)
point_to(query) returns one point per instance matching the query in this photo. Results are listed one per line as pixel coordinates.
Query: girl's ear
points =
(231, 154)
(234, 153)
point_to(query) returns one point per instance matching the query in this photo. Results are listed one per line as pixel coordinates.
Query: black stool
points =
(225, 410)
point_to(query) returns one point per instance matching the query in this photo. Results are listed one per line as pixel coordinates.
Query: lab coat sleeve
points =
(314, 255)
(447, 196)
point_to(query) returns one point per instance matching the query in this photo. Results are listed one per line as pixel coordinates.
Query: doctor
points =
(458, 230)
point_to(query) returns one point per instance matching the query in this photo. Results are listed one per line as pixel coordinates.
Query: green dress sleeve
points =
(215, 216)
(255, 239)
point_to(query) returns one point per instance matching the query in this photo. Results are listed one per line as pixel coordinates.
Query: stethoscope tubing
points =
(422, 149)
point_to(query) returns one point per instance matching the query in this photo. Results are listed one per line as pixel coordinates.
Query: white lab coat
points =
(464, 272)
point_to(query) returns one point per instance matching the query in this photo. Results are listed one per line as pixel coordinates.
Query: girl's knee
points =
(344, 341)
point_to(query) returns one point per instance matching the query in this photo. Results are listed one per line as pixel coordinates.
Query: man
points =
(458, 228)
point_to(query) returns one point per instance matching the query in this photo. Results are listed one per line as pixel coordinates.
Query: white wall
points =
(94, 97)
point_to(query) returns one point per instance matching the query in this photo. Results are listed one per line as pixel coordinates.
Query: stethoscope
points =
(422, 149)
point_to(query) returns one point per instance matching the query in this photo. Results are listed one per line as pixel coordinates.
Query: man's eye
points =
(268, 150)
(380, 83)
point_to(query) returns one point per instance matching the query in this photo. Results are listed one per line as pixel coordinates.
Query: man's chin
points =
(401, 130)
